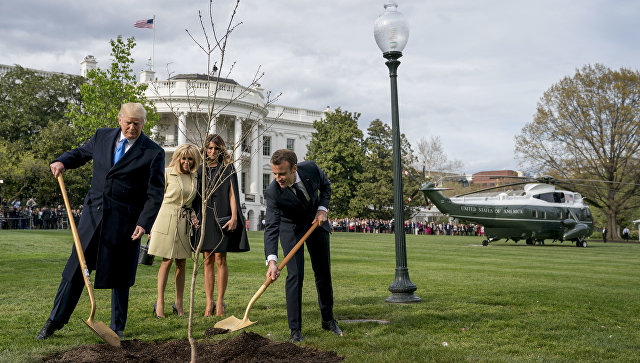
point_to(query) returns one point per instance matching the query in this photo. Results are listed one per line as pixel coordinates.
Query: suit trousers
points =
(69, 292)
(319, 252)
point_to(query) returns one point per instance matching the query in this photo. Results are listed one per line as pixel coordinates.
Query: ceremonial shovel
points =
(98, 327)
(232, 323)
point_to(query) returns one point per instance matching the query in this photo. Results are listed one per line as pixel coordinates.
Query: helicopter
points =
(534, 214)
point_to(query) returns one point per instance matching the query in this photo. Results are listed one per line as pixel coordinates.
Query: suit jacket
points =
(286, 216)
(122, 196)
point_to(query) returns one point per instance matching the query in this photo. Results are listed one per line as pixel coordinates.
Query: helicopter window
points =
(535, 214)
(544, 215)
(551, 197)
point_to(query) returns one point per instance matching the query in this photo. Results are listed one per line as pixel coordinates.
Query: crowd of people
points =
(411, 227)
(15, 215)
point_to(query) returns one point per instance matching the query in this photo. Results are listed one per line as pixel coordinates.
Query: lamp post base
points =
(403, 297)
(402, 289)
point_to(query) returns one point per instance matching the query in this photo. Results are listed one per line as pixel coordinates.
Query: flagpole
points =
(153, 46)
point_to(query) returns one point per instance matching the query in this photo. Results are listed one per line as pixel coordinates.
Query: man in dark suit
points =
(126, 192)
(298, 197)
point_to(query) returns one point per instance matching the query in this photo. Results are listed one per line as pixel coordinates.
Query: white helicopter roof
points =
(535, 194)
(538, 188)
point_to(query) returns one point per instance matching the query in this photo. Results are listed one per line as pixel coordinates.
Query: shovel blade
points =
(232, 323)
(104, 332)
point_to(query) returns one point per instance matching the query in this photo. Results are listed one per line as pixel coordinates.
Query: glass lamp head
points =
(391, 29)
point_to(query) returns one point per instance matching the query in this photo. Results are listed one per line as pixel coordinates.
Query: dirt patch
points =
(246, 347)
(215, 331)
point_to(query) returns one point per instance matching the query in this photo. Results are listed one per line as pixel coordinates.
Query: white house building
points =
(252, 129)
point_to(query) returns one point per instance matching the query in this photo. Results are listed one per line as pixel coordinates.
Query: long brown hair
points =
(224, 158)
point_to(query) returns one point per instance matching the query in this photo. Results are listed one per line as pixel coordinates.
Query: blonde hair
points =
(133, 109)
(185, 150)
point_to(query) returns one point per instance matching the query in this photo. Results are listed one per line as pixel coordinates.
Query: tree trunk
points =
(613, 229)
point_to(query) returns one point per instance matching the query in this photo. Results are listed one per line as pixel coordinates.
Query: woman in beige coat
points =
(170, 232)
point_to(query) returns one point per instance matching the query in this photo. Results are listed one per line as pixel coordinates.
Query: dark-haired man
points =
(298, 197)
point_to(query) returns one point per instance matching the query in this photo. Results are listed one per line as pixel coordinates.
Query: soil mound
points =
(246, 347)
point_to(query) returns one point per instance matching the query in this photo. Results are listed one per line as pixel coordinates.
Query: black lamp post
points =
(391, 31)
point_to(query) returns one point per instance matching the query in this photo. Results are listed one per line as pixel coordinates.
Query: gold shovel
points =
(98, 327)
(232, 323)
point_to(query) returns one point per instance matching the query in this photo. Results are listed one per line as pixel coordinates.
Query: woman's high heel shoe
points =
(175, 310)
(155, 304)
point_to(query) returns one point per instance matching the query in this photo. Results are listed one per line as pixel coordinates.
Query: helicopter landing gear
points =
(485, 243)
(530, 241)
(581, 243)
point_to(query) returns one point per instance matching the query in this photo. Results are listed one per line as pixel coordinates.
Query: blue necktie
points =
(119, 151)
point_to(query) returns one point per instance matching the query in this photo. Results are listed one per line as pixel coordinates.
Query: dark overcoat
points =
(122, 196)
(218, 205)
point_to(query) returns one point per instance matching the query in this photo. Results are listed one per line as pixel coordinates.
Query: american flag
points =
(146, 23)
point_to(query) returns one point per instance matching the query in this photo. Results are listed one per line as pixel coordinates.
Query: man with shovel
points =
(126, 192)
(298, 197)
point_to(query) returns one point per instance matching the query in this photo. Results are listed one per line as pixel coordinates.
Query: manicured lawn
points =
(506, 302)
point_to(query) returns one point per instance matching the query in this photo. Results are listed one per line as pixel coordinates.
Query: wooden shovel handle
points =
(78, 246)
(293, 251)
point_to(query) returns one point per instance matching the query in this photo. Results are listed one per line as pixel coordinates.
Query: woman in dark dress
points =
(224, 224)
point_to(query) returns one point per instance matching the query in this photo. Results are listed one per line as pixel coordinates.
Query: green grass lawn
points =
(506, 302)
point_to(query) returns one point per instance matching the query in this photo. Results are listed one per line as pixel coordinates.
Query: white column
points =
(182, 128)
(256, 155)
(237, 155)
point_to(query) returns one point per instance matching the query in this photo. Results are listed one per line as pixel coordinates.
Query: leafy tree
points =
(106, 91)
(374, 194)
(336, 147)
(588, 127)
(29, 101)
(33, 132)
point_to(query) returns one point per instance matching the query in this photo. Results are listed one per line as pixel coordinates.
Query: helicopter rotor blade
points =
(491, 188)
(412, 195)
(407, 173)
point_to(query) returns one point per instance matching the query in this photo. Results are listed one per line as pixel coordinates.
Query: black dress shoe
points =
(49, 328)
(119, 333)
(332, 326)
(296, 336)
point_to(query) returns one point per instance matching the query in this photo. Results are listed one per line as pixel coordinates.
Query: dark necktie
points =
(119, 151)
(297, 188)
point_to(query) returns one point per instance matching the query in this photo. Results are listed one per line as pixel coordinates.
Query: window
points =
(266, 145)
(266, 180)
(290, 144)
(243, 182)
(551, 197)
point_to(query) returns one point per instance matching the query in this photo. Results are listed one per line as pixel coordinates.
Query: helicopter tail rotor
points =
(407, 173)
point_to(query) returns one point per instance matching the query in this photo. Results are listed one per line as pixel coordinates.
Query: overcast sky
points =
(472, 71)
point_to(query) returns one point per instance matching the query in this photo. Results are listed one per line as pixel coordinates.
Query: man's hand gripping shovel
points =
(232, 323)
